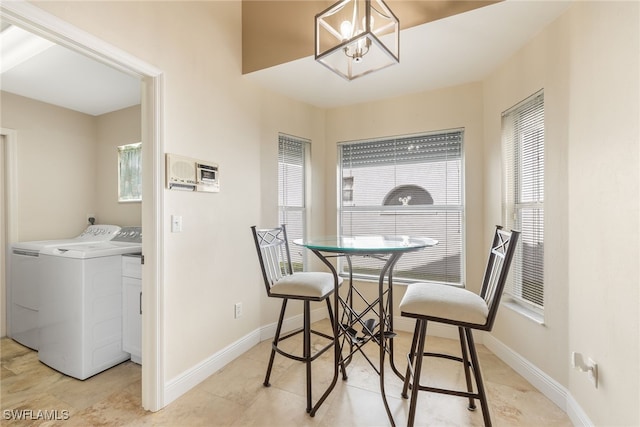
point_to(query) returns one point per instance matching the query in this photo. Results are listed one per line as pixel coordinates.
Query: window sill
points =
(524, 311)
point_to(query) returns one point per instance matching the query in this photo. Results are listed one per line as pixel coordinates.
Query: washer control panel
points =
(129, 234)
(99, 232)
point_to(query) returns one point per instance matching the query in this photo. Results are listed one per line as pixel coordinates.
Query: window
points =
(130, 172)
(292, 159)
(523, 199)
(410, 185)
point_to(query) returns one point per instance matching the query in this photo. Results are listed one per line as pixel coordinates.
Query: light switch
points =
(176, 223)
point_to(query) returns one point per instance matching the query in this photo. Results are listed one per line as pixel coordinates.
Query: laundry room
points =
(67, 165)
(65, 152)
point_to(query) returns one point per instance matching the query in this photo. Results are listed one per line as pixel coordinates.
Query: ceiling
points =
(444, 51)
(267, 42)
(56, 75)
(450, 51)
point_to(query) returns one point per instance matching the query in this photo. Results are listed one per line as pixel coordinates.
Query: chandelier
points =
(356, 37)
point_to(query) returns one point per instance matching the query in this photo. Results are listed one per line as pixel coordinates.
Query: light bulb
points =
(345, 30)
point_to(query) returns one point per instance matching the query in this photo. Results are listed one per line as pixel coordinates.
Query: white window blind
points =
(410, 185)
(292, 160)
(523, 201)
(130, 172)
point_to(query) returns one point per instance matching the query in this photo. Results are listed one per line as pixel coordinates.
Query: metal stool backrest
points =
(273, 253)
(495, 276)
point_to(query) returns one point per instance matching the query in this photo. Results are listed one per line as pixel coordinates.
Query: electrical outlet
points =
(593, 372)
(590, 367)
(238, 310)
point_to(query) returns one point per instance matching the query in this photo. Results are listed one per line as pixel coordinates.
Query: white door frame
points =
(61, 32)
(11, 209)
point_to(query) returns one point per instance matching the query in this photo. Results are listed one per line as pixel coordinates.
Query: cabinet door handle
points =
(140, 302)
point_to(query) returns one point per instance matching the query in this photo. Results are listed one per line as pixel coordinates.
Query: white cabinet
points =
(132, 307)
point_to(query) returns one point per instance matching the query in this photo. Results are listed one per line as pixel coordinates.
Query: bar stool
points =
(459, 307)
(281, 282)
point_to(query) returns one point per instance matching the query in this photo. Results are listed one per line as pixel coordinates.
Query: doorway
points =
(8, 232)
(4, 315)
(37, 21)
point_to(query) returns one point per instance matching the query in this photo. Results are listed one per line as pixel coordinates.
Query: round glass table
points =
(388, 248)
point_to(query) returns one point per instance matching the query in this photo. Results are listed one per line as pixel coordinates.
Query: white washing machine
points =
(24, 284)
(80, 317)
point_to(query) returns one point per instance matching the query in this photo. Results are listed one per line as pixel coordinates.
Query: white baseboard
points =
(549, 387)
(544, 383)
(553, 390)
(184, 382)
(576, 414)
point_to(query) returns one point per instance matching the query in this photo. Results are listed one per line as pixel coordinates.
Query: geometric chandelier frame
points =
(356, 37)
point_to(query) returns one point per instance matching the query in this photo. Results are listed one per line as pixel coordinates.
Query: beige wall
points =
(56, 155)
(282, 115)
(546, 61)
(587, 63)
(68, 166)
(604, 202)
(114, 129)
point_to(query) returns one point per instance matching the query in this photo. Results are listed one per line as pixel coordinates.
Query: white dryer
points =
(24, 284)
(80, 317)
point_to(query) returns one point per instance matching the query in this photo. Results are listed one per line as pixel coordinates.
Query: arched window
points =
(408, 195)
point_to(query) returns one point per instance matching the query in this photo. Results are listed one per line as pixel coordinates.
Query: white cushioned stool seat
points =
(444, 301)
(305, 284)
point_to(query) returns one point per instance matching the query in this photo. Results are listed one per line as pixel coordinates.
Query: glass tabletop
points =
(369, 244)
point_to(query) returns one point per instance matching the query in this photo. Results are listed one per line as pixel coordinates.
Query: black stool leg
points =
(307, 350)
(274, 345)
(478, 375)
(344, 371)
(467, 374)
(411, 358)
(415, 388)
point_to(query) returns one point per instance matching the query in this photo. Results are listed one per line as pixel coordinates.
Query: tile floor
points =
(235, 396)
